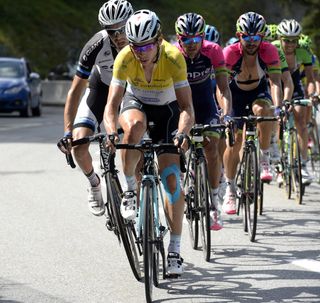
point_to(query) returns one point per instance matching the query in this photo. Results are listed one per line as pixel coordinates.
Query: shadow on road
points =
(225, 280)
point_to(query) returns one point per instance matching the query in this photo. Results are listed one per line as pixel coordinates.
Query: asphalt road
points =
(53, 250)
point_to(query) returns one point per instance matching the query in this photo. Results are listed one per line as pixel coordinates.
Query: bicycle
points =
(314, 144)
(150, 230)
(290, 155)
(123, 229)
(250, 187)
(197, 188)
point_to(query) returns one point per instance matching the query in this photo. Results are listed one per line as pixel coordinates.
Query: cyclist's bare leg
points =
(231, 157)
(222, 148)
(174, 209)
(264, 128)
(81, 152)
(213, 159)
(133, 123)
(300, 117)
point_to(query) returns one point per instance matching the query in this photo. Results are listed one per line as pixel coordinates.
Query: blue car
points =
(20, 88)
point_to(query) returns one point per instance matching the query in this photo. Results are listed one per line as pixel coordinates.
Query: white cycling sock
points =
(93, 178)
(174, 245)
(130, 184)
(264, 155)
(214, 194)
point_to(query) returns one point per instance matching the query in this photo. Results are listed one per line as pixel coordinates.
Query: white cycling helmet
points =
(289, 28)
(143, 26)
(190, 24)
(251, 23)
(114, 11)
(212, 34)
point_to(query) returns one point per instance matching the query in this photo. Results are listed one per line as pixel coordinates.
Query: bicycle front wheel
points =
(251, 186)
(149, 240)
(203, 198)
(314, 151)
(295, 156)
(285, 163)
(125, 228)
(191, 209)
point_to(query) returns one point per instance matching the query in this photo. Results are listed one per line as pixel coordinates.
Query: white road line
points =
(308, 264)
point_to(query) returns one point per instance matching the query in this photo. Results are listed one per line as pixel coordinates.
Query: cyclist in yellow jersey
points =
(158, 91)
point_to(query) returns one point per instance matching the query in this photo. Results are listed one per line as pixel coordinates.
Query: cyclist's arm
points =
(287, 85)
(275, 88)
(311, 88)
(110, 118)
(72, 101)
(224, 94)
(184, 98)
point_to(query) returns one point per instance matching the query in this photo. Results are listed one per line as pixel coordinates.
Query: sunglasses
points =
(248, 38)
(116, 31)
(289, 40)
(143, 48)
(189, 40)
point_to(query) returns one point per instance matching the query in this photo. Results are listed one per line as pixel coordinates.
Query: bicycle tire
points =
(314, 152)
(125, 229)
(286, 163)
(203, 197)
(251, 181)
(148, 240)
(191, 209)
(240, 192)
(260, 198)
(297, 186)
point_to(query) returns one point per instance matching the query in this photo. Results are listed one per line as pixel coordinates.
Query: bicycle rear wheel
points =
(251, 181)
(297, 186)
(203, 197)
(150, 261)
(125, 228)
(191, 210)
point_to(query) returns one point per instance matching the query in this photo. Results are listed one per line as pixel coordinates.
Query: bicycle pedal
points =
(109, 224)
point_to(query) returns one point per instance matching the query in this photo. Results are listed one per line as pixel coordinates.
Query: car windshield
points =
(11, 69)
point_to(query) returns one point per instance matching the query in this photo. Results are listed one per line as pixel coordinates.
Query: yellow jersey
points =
(169, 73)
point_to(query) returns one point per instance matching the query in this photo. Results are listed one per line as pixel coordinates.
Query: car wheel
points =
(27, 111)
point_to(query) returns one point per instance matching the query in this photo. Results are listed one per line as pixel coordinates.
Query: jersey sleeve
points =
(306, 56)
(270, 56)
(178, 69)
(231, 56)
(217, 60)
(88, 56)
(283, 61)
(120, 68)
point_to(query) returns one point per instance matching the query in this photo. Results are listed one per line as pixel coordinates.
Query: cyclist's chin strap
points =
(171, 170)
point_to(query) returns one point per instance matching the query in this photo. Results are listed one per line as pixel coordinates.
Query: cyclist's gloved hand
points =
(182, 141)
(111, 140)
(278, 112)
(227, 119)
(315, 99)
(65, 143)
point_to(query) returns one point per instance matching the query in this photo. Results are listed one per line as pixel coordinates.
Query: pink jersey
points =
(268, 55)
(200, 68)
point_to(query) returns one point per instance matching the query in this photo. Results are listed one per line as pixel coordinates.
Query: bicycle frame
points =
(150, 175)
